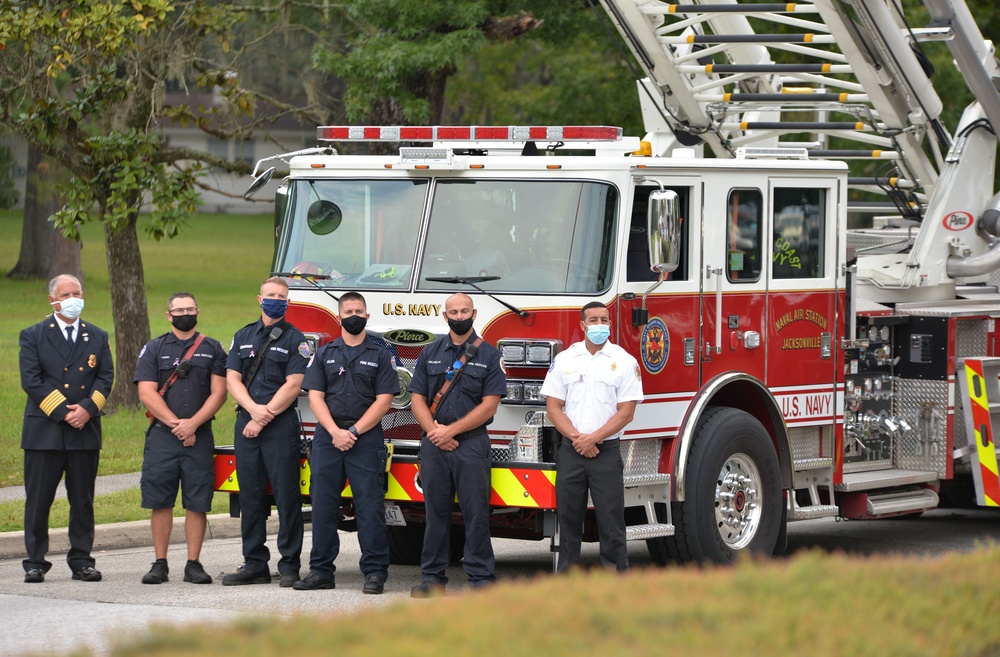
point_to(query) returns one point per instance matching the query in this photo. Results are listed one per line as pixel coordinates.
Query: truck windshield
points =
(363, 234)
(536, 236)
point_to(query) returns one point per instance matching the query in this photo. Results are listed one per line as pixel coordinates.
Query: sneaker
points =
(195, 573)
(373, 584)
(157, 573)
(427, 590)
(34, 576)
(289, 579)
(314, 582)
(245, 576)
(87, 574)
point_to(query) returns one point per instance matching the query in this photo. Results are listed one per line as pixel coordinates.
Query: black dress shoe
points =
(288, 579)
(246, 576)
(34, 576)
(87, 574)
(314, 582)
(373, 584)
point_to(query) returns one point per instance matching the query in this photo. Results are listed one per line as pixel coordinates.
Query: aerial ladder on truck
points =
(848, 80)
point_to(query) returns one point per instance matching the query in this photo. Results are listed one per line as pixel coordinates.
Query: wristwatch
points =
(354, 430)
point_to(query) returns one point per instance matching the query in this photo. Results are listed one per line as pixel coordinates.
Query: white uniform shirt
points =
(593, 386)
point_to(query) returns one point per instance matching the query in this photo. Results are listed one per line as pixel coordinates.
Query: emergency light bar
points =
(469, 133)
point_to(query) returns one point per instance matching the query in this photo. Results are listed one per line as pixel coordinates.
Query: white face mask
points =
(71, 307)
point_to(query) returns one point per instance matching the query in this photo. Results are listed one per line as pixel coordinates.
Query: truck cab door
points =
(665, 343)
(733, 308)
(802, 328)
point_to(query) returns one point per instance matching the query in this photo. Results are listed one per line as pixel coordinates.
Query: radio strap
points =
(470, 352)
(183, 365)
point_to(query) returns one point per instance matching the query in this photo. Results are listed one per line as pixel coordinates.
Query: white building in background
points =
(284, 135)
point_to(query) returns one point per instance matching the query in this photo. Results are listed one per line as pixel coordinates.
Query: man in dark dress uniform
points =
(180, 446)
(67, 372)
(275, 354)
(351, 383)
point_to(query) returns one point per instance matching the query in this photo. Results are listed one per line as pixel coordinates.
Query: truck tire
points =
(406, 544)
(733, 502)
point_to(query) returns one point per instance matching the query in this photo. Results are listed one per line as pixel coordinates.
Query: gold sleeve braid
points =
(99, 399)
(52, 402)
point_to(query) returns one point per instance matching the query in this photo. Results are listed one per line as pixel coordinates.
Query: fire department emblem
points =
(655, 345)
(92, 361)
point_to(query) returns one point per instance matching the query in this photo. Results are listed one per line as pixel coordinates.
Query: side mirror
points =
(664, 230)
(323, 217)
(258, 183)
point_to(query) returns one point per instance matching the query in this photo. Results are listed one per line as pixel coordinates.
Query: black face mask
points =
(354, 324)
(185, 323)
(460, 326)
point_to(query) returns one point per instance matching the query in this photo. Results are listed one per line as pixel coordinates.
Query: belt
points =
(345, 424)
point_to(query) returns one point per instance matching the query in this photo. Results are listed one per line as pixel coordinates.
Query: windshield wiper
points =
(471, 282)
(312, 278)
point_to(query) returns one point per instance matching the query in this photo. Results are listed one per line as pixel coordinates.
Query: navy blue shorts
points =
(167, 465)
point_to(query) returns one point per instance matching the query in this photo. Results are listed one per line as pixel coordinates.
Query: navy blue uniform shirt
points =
(482, 377)
(289, 354)
(352, 377)
(159, 358)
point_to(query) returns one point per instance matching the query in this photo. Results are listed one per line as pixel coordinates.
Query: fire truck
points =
(794, 367)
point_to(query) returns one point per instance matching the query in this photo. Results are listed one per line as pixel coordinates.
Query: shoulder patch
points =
(143, 350)
(305, 350)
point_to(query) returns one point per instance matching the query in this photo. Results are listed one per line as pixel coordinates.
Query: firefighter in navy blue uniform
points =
(455, 452)
(180, 445)
(267, 435)
(67, 372)
(351, 383)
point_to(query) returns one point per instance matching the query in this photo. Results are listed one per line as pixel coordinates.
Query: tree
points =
(84, 82)
(398, 60)
(45, 251)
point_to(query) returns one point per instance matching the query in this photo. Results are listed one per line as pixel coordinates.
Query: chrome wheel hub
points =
(737, 501)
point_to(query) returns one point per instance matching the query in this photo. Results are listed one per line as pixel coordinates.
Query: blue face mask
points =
(598, 333)
(274, 308)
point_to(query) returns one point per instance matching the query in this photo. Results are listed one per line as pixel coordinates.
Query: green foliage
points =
(399, 43)
(85, 87)
(808, 605)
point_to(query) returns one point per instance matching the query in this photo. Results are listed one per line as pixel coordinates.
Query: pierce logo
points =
(957, 220)
(408, 337)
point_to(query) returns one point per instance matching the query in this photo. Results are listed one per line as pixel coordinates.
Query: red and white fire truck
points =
(792, 368)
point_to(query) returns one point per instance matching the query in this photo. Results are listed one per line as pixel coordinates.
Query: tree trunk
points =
(128, 299)
(45, 253)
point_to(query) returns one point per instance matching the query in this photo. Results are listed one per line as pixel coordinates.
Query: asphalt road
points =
(61, 614)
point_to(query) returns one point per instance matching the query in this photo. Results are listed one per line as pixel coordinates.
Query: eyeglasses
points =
(180, 312)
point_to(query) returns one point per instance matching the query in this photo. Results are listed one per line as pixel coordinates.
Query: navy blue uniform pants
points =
(43, 469)
(364, 467)
(465, 471)
(603, 475)
(272, 456)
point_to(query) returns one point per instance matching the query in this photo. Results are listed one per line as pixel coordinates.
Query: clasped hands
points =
(77, 417)
(260, 416)
(443, 437)
(586, 444)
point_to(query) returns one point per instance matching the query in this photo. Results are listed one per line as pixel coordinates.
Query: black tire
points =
(407, 542)
(731, 455)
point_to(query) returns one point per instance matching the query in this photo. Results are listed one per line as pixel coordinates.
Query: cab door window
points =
(744, 225)
(799, 232)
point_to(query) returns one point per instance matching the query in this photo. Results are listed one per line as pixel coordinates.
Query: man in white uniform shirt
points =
(592, 390)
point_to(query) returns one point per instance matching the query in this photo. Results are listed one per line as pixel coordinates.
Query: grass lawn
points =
(221, 259)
